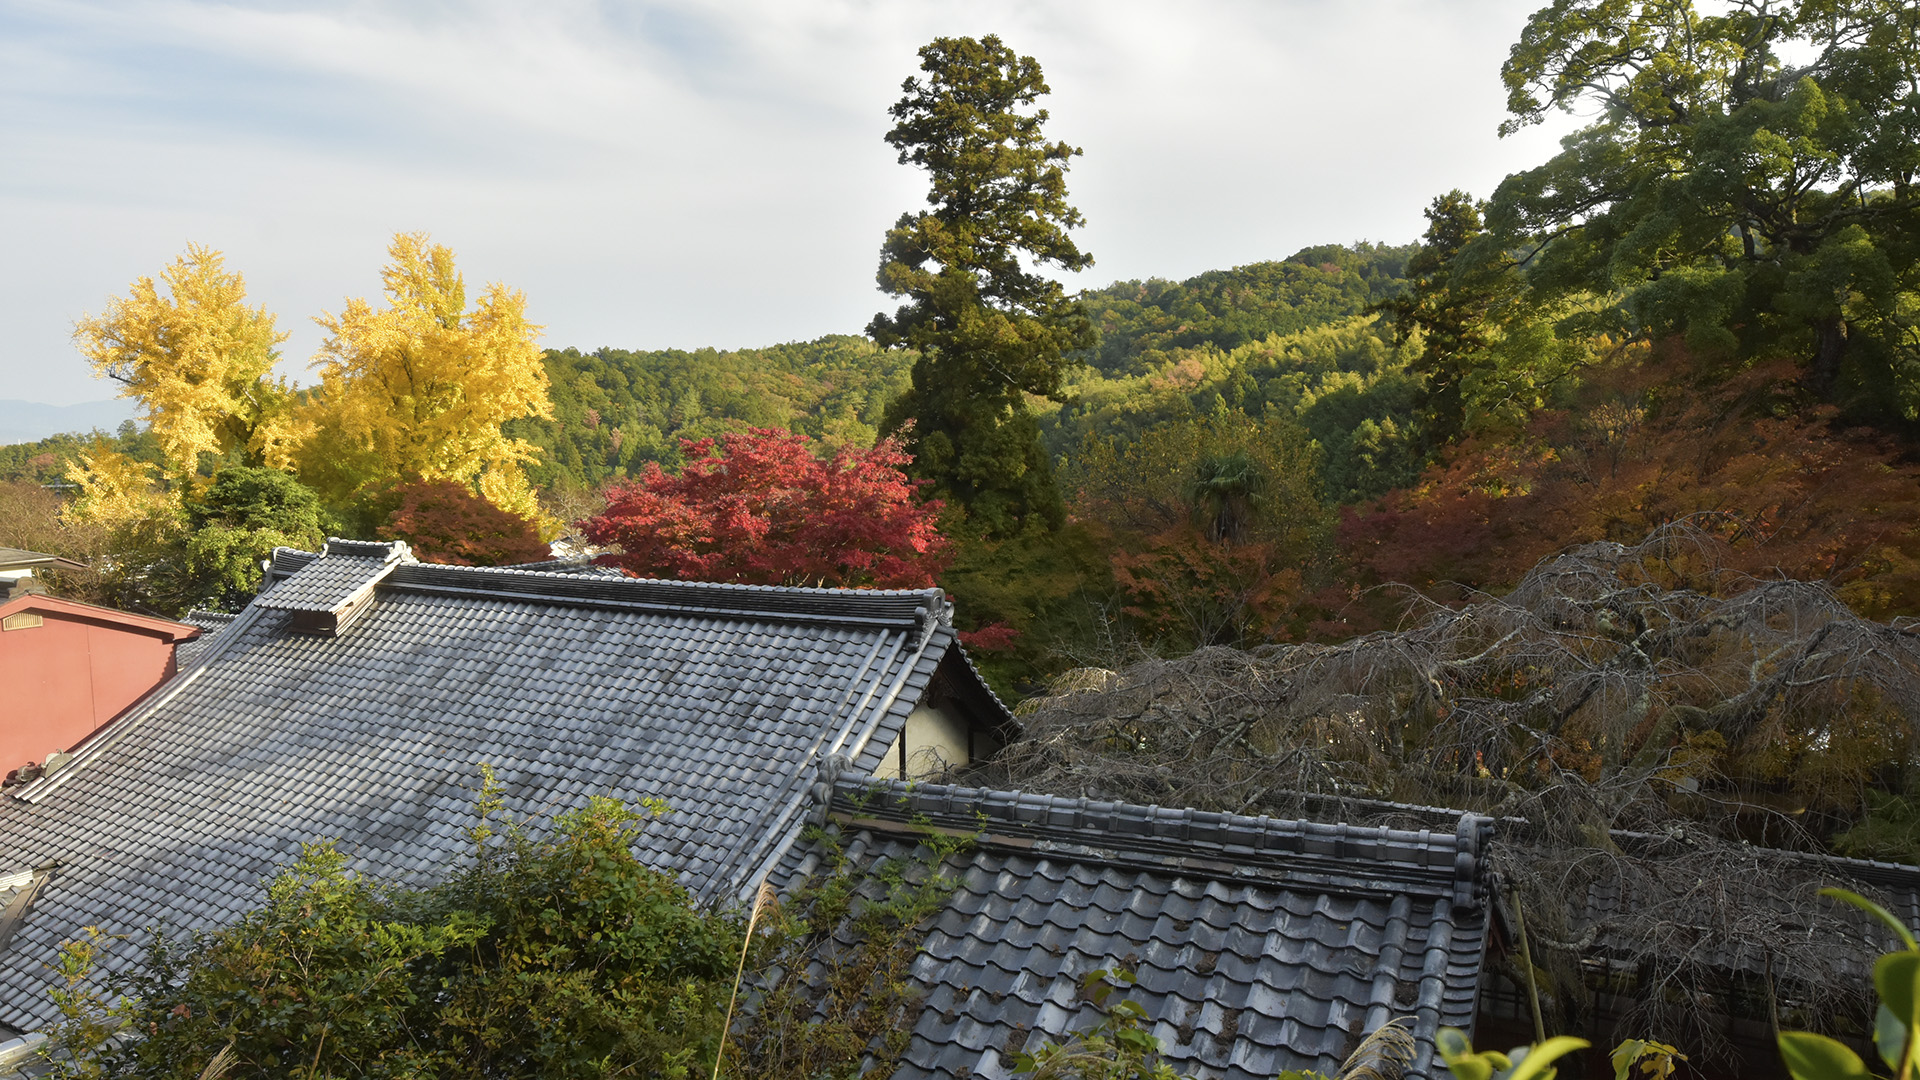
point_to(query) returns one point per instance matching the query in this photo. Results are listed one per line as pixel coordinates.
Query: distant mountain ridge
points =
(28, 421)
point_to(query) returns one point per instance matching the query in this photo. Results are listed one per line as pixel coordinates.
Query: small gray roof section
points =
(1259, 945)
(719, 699)
(22, 559)
(333, 583)
(211, 624)
(581, 567)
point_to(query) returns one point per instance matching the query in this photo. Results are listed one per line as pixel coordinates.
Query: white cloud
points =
(688, 172)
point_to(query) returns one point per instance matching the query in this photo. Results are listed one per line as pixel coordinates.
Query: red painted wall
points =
(63, 679)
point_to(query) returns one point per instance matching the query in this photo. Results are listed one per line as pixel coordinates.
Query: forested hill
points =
(614, 410)
(1292, 333)
(1141, 322)
(1292, 338)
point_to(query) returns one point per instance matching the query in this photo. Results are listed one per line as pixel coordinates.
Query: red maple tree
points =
(445, 522)
(760, 507)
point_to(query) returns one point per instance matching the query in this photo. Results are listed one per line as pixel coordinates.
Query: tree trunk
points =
(1829, 346)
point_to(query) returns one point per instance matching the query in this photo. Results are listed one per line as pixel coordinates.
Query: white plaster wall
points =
(934, 739)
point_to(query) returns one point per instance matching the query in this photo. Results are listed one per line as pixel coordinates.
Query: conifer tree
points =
(989, 329)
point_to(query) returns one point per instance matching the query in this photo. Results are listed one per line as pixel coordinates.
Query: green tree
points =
(235, 524)
(554, 958)
(1452, 304)
(1758, 205)
(989, 329)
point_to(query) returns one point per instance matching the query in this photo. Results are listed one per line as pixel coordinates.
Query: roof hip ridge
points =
(1451, 862)
(888, 607)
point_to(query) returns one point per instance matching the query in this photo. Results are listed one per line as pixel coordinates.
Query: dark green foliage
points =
(1889, 831)
(1369, 435)
(989, 330)
(1759, 206)
(206, 550)
(1456, 298)
(554, 958)
(1052, 589)
(236, 522)
(981, 455)
(615, 410)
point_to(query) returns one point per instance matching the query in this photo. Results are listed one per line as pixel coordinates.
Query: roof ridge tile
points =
(1115, 831)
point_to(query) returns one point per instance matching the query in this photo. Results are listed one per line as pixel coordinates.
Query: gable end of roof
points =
(327, 594)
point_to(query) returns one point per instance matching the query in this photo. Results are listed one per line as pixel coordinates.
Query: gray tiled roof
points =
(211, 624)
(331, 583)
(718, 699)
(1259, 945)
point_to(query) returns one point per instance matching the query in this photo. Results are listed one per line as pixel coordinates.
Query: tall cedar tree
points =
(1450, 302)
(1761, 205)
(988, 329)
(758, 507)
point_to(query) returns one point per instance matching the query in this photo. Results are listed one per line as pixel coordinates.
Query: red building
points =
(67, 668)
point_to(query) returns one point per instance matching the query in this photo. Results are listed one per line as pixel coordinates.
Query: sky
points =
(690, 173)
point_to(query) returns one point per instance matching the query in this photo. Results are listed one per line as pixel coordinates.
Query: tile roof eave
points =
(1429, 956)
(100, 741)
(873, 607)
(848, 752)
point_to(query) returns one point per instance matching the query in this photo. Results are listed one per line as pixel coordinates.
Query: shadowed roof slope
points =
(1260, 945)
(718, 699)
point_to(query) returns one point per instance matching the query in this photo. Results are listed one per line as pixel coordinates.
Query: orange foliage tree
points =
(1654, 439)
(446, 522)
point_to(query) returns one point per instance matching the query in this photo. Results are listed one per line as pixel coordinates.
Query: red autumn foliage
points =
(993, 637)
(445, 522)
(758, 507)
(1182, 582)
(1792, 494)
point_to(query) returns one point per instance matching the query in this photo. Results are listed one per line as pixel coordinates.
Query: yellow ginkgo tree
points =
(420, 388)
(197, 358)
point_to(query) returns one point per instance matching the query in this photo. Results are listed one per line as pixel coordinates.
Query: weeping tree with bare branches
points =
(1674, 749)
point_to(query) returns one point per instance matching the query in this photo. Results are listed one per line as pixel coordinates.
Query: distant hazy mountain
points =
(26, 421)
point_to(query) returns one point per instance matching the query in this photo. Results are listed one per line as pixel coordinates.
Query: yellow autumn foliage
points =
(116, 491)
(196, 356)
(420, 388)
